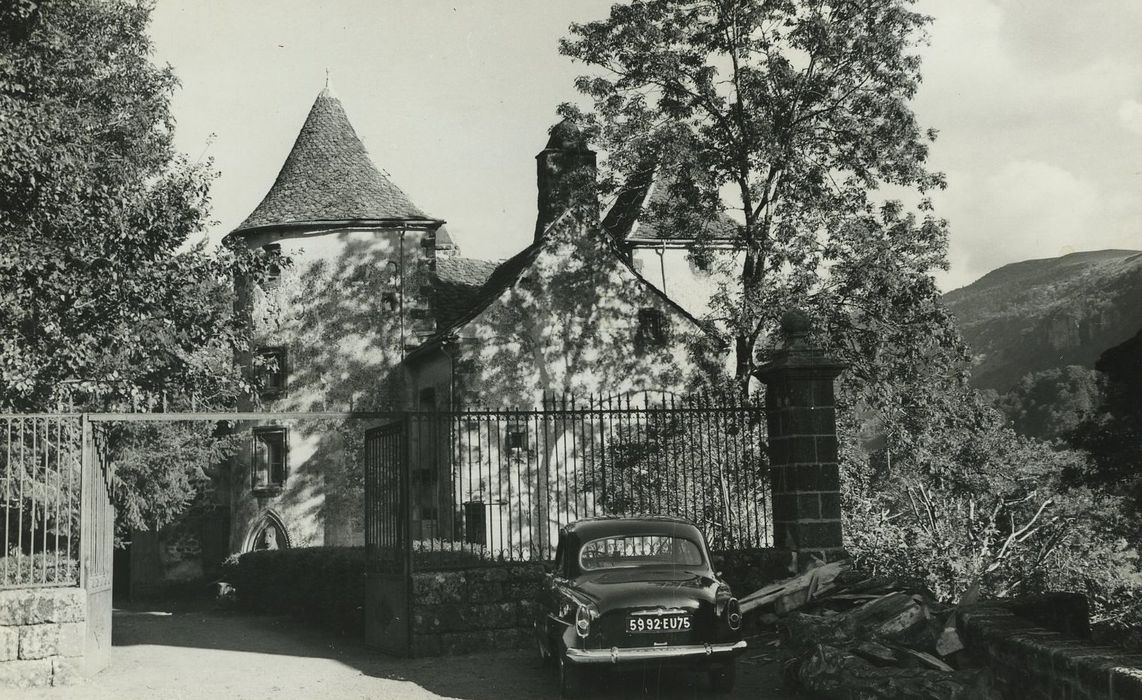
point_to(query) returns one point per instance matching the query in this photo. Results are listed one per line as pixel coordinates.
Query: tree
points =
(788, 115)
(105, 301)
(99, 279)
(1052, 403)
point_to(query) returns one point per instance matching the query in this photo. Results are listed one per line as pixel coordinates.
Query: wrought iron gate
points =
(57, 515)
(388, 584)
(97, 541)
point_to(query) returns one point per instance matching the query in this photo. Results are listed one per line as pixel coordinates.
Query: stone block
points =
(802, 450)
(830, 505)
(784, 506)
(438, 587)
(426, 645)
(485, 592)
(66, 671)
(779, 478)
(522, 590)
(9, 643)
(34, 606)
(1126, 682)
(825, 534)
(830, 477)
(809, 505)
(26, 674)
(496, 573)
(778, 449)
(69, 605)
(526, 612)
(17, 607)
(826, 448)
(807, 477)
(39, 641)
(72, 637)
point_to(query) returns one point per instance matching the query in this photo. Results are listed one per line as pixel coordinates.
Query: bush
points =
(323, 585)
(18, 569)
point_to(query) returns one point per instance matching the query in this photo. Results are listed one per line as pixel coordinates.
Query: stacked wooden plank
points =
(845, 635)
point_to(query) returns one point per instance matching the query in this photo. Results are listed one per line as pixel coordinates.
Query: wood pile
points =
(848, 636)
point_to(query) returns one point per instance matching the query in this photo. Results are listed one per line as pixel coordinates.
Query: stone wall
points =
(457, 612)
(1027, 646)
(42, 636)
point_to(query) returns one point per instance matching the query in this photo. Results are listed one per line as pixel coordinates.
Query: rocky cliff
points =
(1038, 315)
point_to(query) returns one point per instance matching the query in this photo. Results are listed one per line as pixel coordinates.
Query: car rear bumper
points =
(625, 655)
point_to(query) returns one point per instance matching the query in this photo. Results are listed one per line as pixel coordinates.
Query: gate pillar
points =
(801, 419)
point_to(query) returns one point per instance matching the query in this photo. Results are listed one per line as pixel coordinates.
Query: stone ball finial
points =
(795, 327)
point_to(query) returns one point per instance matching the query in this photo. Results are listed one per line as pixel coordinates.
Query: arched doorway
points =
(269, 533)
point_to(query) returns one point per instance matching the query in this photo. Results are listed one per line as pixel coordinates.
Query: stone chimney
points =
(565, 177)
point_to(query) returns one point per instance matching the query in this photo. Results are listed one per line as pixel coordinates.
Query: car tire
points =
(723, 678)
(570, 678)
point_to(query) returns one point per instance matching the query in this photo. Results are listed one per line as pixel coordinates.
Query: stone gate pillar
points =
(802, 424)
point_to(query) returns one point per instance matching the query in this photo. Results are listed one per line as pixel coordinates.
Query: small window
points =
(273, 370)
(274, 275)
(427, 399)
(270, 456)
(516, 439)
(699, 262)
(653, 332)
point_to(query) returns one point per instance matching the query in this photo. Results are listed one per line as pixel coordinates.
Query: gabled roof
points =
(455, 285)
(627, 220)
(462, 299)
(329, 179)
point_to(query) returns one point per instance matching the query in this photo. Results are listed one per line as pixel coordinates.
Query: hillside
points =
(1042, 314)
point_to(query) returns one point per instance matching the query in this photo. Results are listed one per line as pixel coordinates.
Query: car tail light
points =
(733, 614)
(583, 617)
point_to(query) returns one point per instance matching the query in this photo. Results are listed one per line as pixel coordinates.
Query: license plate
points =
(642, 624)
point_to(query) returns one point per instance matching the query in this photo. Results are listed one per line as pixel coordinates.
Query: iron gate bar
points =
(240, 416)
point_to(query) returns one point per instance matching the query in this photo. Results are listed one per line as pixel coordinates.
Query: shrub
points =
(19, 568)
(323, 585)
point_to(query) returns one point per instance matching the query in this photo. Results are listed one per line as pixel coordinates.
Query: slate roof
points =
(328, 178)
(456, 285)
(464, 287)
(626, 220)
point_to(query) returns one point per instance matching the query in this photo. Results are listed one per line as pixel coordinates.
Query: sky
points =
(1038, 104)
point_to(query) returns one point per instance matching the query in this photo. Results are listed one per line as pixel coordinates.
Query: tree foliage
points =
(1051, 404)
(788, 116)
(99, 278)
(106, 301)
(978, 504)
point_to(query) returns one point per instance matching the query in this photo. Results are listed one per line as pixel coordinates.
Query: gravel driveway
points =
(167, 652)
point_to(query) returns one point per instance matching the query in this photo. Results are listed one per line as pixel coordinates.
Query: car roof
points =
(602, 526)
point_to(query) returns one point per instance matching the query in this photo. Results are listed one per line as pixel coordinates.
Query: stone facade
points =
(457, 612)
(42, 636)
(569, 317)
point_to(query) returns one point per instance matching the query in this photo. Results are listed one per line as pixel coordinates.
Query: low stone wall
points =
(42, 635)
(747, 570)
(1035, 649)
(491, 607)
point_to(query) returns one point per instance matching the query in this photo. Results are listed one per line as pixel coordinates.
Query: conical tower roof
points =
(329, 180)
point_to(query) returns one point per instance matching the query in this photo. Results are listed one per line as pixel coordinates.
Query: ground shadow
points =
(485, 676)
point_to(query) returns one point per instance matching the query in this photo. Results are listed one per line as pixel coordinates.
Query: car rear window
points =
(639, 550)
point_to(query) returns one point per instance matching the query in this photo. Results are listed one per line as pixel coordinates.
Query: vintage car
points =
(636, 591)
